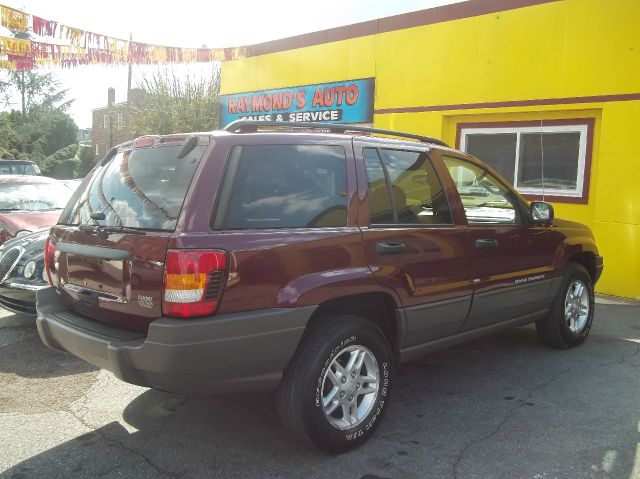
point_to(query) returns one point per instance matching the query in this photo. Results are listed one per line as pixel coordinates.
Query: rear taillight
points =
(49, 258)
(193, 282)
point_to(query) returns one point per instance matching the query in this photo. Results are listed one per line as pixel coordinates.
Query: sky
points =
(191, 23)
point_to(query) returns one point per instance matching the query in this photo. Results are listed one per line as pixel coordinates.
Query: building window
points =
(105, 122)
(120, 121)
(97, 149)
(548, 159)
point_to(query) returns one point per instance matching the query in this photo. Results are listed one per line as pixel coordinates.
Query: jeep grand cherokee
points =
(307, 262)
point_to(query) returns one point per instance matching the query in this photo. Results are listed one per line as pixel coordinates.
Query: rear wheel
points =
(571, 315)
(337, 386)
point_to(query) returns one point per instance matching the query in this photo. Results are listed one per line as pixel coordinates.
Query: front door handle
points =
(390, 248)
(486, 243)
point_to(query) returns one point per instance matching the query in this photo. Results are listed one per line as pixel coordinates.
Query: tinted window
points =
(284, 186)
(484, 198)
(416, 193)
(557, 169)
(380, 210)
(140, 188)
(497, 150)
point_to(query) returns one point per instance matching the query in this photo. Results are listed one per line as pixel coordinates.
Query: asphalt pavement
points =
(502, 407)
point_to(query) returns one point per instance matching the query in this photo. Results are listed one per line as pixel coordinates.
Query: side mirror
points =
(541, 212)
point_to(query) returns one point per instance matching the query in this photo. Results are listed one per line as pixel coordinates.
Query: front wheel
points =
(337, 386)
(571, 315)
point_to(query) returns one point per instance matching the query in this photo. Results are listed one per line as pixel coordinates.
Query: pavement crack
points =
(158, 469)
(505, 420)
(623, 359)
(79, 414)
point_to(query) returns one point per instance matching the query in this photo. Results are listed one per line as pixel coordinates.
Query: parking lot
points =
(503, 407)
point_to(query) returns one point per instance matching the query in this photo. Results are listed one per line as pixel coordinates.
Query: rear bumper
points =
(217, 355)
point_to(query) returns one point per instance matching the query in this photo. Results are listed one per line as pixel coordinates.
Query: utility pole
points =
(128, 110)
(23, 92)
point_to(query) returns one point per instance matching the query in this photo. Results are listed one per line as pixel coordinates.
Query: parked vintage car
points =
(22, 272)
(29, 203)
(308, 262)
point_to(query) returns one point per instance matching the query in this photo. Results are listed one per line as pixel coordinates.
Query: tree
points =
(36, 88)
(164, 104)
(84, 161)
(41, 131)
(62, 163)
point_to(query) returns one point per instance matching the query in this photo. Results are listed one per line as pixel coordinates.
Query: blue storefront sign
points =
(348, 101)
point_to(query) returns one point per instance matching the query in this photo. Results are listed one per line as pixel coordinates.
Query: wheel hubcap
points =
(576, 306)
(350, 387)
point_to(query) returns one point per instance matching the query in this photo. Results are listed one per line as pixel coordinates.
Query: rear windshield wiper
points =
(93, 229)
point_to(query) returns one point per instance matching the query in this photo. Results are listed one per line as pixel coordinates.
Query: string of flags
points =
(87, 48)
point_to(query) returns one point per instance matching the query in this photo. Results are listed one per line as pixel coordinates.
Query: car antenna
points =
(542, 158)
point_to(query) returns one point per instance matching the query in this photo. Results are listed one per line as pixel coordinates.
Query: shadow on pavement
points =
(23, 354)
(502, 407)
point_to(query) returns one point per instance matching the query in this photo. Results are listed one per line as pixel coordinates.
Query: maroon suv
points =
(311, 263)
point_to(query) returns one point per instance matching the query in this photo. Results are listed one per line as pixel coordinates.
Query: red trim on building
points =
(586, 182)
(503, 104)
(444, 13)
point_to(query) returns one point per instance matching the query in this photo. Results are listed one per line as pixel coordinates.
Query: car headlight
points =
(29, 269)
(23, 232)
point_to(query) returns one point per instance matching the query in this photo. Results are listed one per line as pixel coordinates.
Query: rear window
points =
(139, 188)
(284, 186)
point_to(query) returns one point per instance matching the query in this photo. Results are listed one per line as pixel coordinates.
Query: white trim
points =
(582, 153)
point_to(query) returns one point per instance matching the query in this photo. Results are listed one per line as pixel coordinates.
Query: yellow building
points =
(515, 82)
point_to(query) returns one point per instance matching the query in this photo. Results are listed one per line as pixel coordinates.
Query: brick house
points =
(111, 125)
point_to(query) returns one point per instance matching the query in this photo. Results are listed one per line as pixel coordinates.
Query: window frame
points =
(105, 121)
(389, 184)
(583, 126)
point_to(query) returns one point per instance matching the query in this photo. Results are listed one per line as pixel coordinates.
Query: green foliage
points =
(164, 104)
(43, 132)
(46, 130)
(84, 161)
(38, 89)
(63, 163)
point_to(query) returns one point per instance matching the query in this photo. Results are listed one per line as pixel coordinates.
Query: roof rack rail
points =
(240, 126)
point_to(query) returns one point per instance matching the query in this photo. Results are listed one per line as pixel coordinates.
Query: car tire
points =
(337, 386)
(571, 315)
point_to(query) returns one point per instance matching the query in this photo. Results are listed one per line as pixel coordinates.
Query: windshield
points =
(33, 197)
(140, 188)
(18, 169)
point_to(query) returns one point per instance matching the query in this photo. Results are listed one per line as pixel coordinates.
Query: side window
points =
(484, 198)
(380, 209)
(414, 195)
(284, 186)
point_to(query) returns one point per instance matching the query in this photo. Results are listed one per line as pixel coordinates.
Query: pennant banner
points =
(85, 48)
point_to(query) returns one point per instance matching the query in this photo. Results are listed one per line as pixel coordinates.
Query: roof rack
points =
(240, 126)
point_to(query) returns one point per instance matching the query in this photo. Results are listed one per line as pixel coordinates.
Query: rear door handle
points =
(390, 248)
(486, 243)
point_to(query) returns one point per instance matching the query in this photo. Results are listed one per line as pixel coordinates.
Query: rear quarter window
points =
(283, 186)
